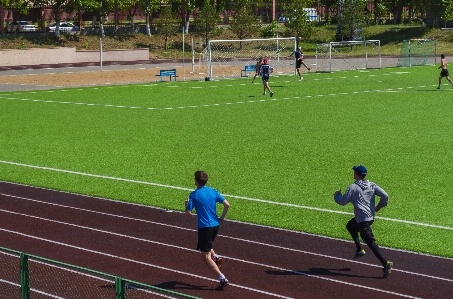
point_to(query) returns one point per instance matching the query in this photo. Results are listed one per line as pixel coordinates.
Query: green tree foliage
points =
(299, 24)
(167, 23)
(149, 6)
(244, 23)
(207, 20)
(352, 19)
(448, 14)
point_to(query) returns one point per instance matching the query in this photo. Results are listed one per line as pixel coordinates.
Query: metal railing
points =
(27, 276)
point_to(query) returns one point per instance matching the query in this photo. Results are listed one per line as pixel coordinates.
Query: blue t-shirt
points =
(204, 200)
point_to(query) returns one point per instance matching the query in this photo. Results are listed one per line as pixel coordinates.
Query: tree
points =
(149, 6)
(244, 23)
(299, 24)
(351, 19)
(131, 6)
(58, 8)
(101, 9)
(168, 23)
(20, 6)
(448, 14)
(206, 20)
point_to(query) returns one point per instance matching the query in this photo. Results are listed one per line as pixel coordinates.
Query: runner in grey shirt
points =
(362, 195)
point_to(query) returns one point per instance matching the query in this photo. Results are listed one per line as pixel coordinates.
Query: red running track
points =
(148, 245)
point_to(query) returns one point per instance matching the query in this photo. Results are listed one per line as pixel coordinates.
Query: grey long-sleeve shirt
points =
(362, 195)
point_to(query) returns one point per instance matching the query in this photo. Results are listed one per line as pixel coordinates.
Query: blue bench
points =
(248, 68)
(167, 73)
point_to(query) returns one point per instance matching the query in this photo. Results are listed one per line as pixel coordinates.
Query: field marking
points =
(193, 250)
(226, 195)
(146, 264)
(5, 96)
(193, 230)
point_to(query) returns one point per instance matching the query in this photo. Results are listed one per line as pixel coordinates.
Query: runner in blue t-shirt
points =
(204, 200)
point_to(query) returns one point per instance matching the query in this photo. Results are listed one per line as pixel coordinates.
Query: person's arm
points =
(343, 199)
(384, 198)
(186, 204)
(226, 206)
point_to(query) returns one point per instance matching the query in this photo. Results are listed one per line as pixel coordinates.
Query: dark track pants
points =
(364, 228)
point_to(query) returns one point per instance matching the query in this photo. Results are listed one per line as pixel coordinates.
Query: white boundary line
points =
(135, 261)
(236, 221)
(226, 195)
(188, 229)
(183, 248)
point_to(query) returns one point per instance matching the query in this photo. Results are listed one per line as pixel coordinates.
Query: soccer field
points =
(277, 160)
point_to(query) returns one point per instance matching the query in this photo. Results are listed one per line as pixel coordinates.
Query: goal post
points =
(226, 58)
(348, 55)
(417, 52)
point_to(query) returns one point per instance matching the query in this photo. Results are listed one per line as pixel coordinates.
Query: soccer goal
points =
(348, 55)
(229, 58)
(417, 52)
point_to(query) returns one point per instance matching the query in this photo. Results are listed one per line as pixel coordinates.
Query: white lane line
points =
(183, 248)
(227, 195)
(188, 229)
(141, 263)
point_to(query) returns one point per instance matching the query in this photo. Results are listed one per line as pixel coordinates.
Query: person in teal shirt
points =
(204, 200)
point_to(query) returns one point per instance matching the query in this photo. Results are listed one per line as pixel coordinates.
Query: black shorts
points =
(298, 63)
(444, 73)
(364, 228)
(206, 236)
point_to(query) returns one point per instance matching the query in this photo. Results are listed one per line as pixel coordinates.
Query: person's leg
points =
(449, 80)
(353, 230)
(440, 80)
(367, 235)
(206, 257)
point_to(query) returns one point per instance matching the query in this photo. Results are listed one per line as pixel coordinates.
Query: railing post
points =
(24, 276)
(120, 288)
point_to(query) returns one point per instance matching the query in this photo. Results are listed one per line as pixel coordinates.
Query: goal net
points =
(348, 55)
(227, 58)
(417, 52)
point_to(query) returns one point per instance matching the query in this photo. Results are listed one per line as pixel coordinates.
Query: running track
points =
(157, 247)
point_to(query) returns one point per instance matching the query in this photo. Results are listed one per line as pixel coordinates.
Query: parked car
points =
(283, 19)
(20, 26)
(64, 27)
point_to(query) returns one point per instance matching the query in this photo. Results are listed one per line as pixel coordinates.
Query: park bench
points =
(248, 68)
(167, 73)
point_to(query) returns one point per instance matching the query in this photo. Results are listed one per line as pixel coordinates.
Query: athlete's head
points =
(442, 56)
(201, 177)
(265, 60)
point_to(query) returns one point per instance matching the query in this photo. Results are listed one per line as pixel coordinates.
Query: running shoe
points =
(387, 269)
(359, 254)
(222, 285)
(272, 94)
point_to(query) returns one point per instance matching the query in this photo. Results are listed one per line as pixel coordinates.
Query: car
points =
(20, 26)
(64, 27)
(283, 19)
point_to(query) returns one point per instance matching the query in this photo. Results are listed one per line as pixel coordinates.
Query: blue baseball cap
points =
(360, 170)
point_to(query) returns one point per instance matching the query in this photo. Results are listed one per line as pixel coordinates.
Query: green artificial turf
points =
(277, 160)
